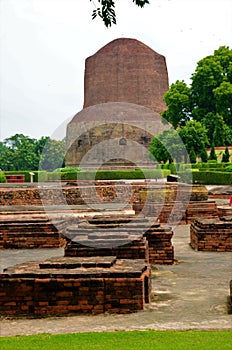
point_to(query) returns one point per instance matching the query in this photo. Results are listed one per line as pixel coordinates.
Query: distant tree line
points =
(200, 113)
(20, 152)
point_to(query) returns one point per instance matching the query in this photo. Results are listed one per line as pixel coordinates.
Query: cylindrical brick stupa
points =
(126, 70)
(124, 86)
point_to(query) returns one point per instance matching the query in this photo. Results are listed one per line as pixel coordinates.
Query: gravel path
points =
(191, 294)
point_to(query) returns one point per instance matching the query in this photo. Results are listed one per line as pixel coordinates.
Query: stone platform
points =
(212, 234)
(61, 286)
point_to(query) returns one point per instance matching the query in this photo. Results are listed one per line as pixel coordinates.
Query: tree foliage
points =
(212, 155)
(167, 146)
(179, 104)
(208, 99)
(226, 156)
(194, 136)
(20, 152)
(106, 10)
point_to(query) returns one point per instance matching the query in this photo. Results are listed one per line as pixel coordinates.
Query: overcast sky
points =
(44, 44)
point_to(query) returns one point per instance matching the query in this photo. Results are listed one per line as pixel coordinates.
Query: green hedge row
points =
(109, 174)
(207, 177)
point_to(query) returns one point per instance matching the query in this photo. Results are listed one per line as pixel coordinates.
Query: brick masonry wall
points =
(137, 249)
(126, 70)
(161, 250)
(211, 234)
(123, 287)
(23, 233)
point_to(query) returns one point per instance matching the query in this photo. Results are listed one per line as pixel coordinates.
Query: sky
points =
(44, 44)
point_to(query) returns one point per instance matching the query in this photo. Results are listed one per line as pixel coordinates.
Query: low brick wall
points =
(23, 232)
(212, 234)
(126, 238)
(178, 212)
(85, 192)
(104, 239)
(224, 210)
(75, 285)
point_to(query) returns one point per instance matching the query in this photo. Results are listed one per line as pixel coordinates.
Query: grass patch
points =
(145, 340)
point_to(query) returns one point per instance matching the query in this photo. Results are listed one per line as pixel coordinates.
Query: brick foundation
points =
(212, 234)
(20, 231)
(62, 286)
(126, 238)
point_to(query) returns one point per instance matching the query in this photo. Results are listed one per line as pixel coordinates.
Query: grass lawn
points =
(139, 340)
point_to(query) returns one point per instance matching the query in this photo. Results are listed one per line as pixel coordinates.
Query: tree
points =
(223, 101)
(204, 155)
(107, 13)
(167, 146)
(53, 155)
(192, 156)
(215, 126)
(228, 135)
(208, 99)
(194, 136)
(208, 83)
(178, 101)
(212, 155)
(226, 156)
(5, 157)
(20, 154)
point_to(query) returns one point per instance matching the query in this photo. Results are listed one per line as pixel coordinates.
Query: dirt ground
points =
(191, 294)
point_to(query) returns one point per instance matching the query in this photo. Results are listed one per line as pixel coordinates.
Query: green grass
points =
(144, 340)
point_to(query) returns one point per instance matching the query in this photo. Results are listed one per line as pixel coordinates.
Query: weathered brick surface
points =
(18, 232)
(75, 285)
(126, 238)
(212, 234)
(224, 210)
(161, 250)
(126, 70)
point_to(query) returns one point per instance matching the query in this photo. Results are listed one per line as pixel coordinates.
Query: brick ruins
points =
(212, 234)
(62, 286)
(120, 273)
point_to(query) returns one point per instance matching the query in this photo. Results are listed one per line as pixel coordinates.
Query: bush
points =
(2, 177)
(212, 177)
(67, 169)
(122, 174)
(229, 167)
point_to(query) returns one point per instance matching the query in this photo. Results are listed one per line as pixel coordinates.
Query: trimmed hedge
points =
(109, 174)
(207, 177)
(2, 177)
(123, 174)
(213, 177)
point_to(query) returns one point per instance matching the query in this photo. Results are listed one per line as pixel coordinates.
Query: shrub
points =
(67, 169)
(122, 174)
(226, 155)
(192, 155)
(212, 177)
(2, 177)
(229, 167)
